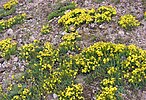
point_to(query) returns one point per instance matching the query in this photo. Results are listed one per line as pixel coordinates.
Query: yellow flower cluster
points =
(145, 15)
(107, 82)
(128, 21)
(45, 29)
(108, 93)
(79, 16)
(105, 13)
(47, 56)
(23, 95)
(73, 92)
(4, 24)
(112, 70)
(28, 51)
(108, 90)
(76, 17)
(53, 70)
(56, 78)
(10, 4)
(69, 42)
(129, 60)
(137, 75)
(7, 47)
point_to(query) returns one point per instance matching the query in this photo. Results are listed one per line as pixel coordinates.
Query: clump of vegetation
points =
(4, 24)
(28, 51)
(128, 22)
(105, 13)
(70, 43)
(45, 29)
(4, 12)
(60, 11)
(79, 16)
(10, 4)
(73, 92)
(54, 70)
(145, 15)
(98, 1)
(7, 48)
(108, 93)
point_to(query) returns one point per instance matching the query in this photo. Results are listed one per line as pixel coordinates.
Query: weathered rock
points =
(22, 68)
(63, 33)
(2, 70)
(55, 96)
(143, 97)
(2, 60)
(102, 26)
(9, 33)
(15, 59)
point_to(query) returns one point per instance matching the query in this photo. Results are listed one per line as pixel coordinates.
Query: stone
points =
(21, 68)
(15, 59)
(50, 97)
(2, 60)
(101, 26)
(92, 25)
(121, 33)
(143, 97)
(32, 38)
(63, 33)
(72, 28)
(9, 33)
(55, 96)
(2, 70)
(14, 68)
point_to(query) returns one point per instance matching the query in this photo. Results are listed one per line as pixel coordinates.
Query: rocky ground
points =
(37, 12)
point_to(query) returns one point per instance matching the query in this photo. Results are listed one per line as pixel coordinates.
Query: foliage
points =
(70, 43)
(145, 15)
(7, 47)
(79, 16)
(73, 92)
(108, 93)
(98, 1)
(4, 24)
(104, 13)
(54, 70)
(128, 21)
(28, 51)
(45, 29)
(10, 4)
(4, 13)
(60, 11)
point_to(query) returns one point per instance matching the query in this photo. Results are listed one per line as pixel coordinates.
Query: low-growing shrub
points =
(45, 29)
(60, 11)
(4, 13)
(70, 43)
(128, 22)
(73, 92)
(10, 4)
(79, 16)
(105, 13)
(7, 48)
(51, 70)
(145, 15)
(108, 93)
(28, 51)
(4, 24)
